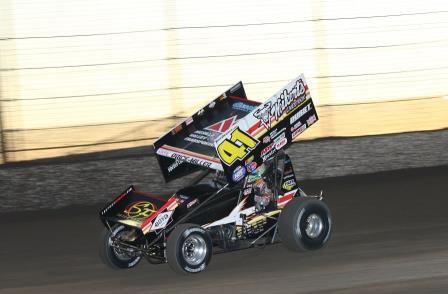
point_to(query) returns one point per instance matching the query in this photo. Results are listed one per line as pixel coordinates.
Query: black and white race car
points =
(245, 193)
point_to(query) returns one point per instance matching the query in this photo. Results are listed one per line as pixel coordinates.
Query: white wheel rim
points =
(314, 226)
(194, 250)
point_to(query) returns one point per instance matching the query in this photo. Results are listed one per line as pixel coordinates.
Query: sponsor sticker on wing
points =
(161, 220)
(282, 103)
(243, 106)
(222, 126)
(298, 131)
(289, 185)
(300, 113)
(238, 174)
(192, 203)
(279, 144)
(267, 149)
(311, 120)
(251, 166)
(140, 210)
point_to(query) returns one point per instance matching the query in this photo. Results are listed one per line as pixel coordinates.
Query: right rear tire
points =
(304, 224)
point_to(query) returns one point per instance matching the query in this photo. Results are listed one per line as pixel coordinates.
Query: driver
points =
(263, 194)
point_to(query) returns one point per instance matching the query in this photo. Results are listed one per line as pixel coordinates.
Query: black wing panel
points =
(189, 146)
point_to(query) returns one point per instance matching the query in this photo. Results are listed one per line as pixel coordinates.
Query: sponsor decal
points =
(194, 158)
(207, 136)
(285, 102)
(273, 133)
(236, 147)
(212, 104)
(195, 270)
(200, 137)
(222, 126)
(243, 106)
(191, 203)
(311, 120)
(161, 220)
(280, 136)
(266, 139)
(235, 87)
(249, 160)
(174, 165)
(280, 143)
(129, 190)
(298, 131)
(267, 149)
(238, 173)
(183, 198)
(201, 112)
(191, 160)
(193, 230)
(264, 115)
(268, 154)
(247, 191)
(282, 200)
(140, 209)
(277, 134)
(134, 262)
(189, 120)
(288, 176)
(170, 205)
(296, 126)
(251, 166)
(176, 129)
(300, 113)
(289, 185)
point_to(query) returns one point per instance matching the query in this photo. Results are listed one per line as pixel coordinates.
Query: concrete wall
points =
(80, 180)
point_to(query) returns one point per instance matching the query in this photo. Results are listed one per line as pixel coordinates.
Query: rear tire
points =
(304, 224)
(112, 257)
(189, 249)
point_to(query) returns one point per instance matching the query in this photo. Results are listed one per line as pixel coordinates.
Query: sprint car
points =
(244, 192)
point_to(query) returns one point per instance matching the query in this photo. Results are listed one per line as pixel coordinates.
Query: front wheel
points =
(304, 224)
(188, 249)
(111, 255)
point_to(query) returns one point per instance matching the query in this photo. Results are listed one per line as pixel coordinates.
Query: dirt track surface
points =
(390, 236)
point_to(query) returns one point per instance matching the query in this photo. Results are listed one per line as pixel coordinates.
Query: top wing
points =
(266, 129)
(189, 146)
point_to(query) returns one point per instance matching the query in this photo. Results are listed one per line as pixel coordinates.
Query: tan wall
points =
(78, 77)
(340, 120)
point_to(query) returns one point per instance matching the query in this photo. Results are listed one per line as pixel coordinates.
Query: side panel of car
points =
(219, 207)
(289, 181)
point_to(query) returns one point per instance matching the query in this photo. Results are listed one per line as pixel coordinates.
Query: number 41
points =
(230, 150)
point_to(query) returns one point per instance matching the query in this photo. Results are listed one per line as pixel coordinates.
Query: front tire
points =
(113, 257)
(304, 224)
(188, 249)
